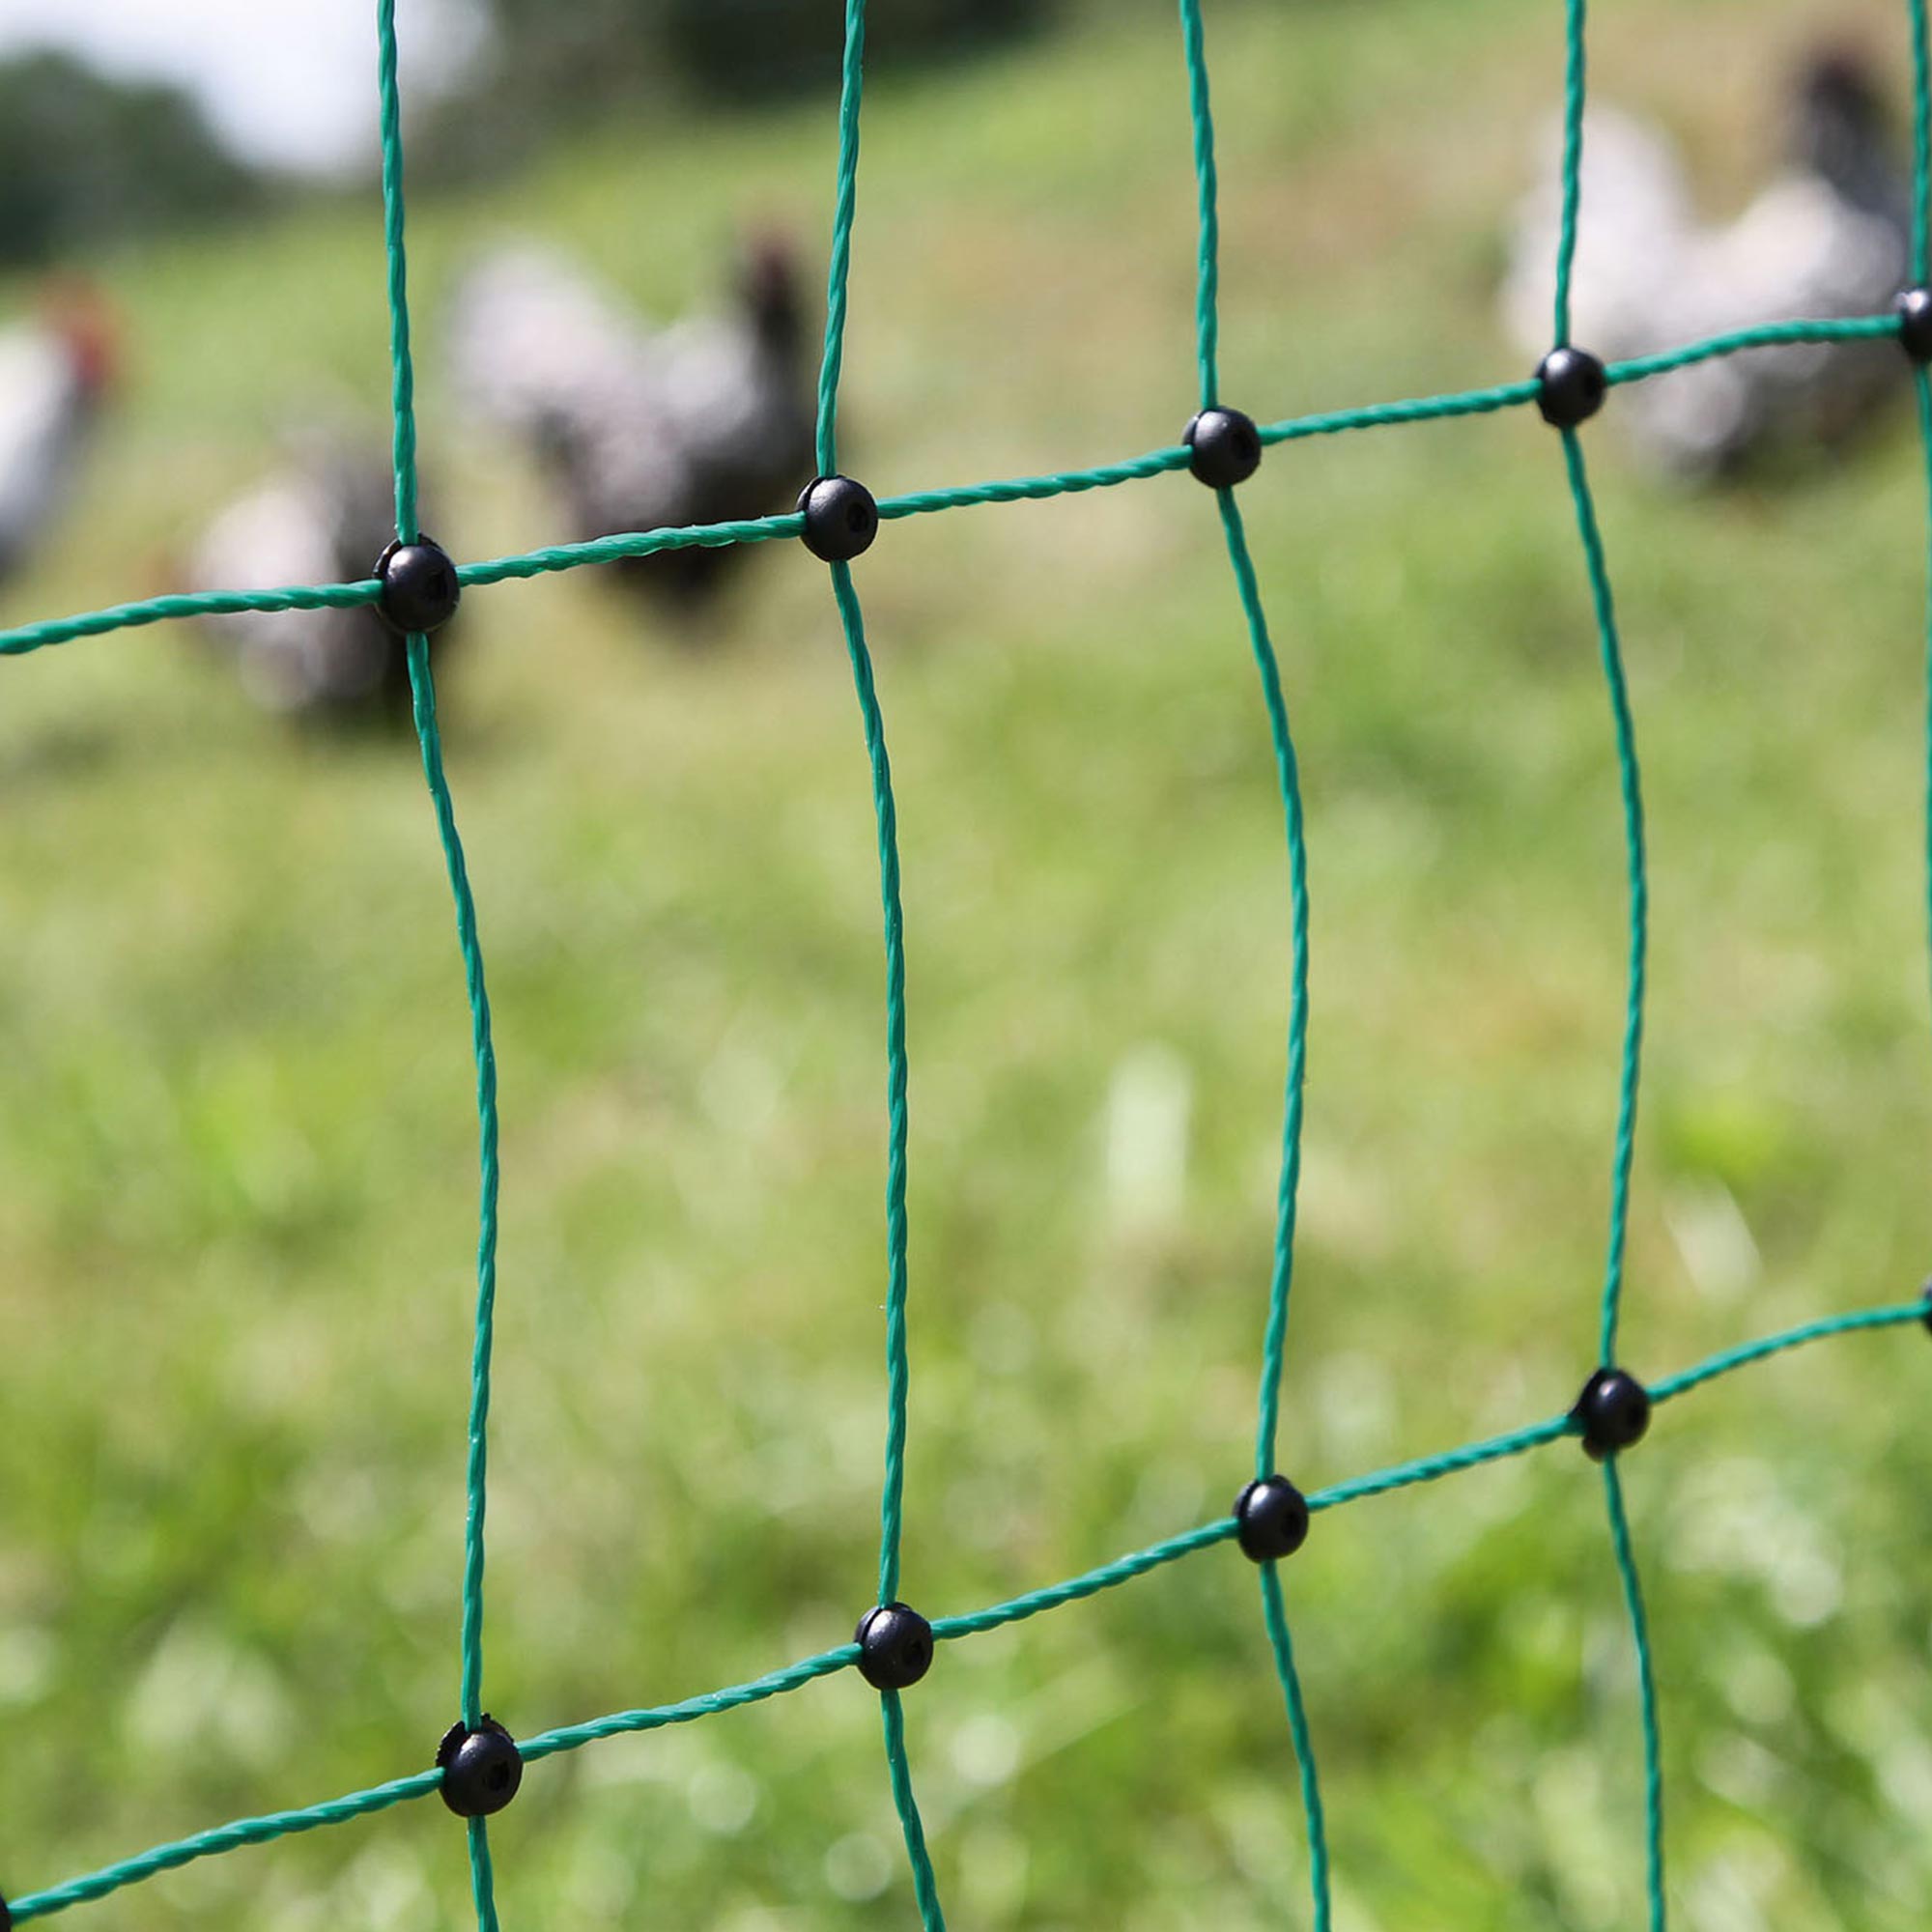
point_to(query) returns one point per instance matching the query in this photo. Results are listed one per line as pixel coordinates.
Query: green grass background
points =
(236, 1137)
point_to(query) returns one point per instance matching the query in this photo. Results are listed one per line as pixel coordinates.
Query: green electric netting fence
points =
(1232, 1527)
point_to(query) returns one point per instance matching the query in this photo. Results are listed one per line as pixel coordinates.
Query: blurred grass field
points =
(236, 1126)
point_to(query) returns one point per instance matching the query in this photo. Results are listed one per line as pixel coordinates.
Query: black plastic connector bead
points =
(481, 1769)
(1570, 386)
(1924, 1296)
(840, 518)
(420, 590)
(895, 1647)
(6, 1917)
(1274, 1517)
(1225, 447)
(1914, 323)
(1614, 1411)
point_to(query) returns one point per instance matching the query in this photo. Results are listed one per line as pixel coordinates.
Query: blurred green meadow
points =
(236, 1126)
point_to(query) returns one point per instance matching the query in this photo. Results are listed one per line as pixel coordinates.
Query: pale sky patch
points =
(291, 82)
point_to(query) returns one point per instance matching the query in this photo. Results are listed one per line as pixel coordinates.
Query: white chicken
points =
(322, 518)
(1827, 238)
(55, 372)
(705, 421)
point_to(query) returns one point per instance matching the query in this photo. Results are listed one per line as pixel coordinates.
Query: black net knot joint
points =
(1914, 323)
(1570, 386)
(481, 1768)
(840, 518)
(1924, 1296)
(1612, 1412)
(6, 1917)
(1224, 447)
(1272, 1515)
(420, 589)
(895, 1647)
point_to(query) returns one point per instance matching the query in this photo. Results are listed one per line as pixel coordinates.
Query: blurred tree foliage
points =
(549, 61)
(85, 159)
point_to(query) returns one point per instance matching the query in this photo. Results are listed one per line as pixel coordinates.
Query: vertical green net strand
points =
(402, 370)
(1922, 388)
(422, 692)
(884, 813)
(1572, 160)
(482, 1878)
(898, 1368)
(844, 208)
(1275, 1614)
(1207, 287)
(1921, 136)
(1922, 191)
(1208, 329)
(924, 1887)
(1646, 1680)
(1629, 783)
(1288, 1191)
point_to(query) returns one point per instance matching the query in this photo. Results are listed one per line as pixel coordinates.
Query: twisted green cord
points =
(1035, 488)
(1572, 160)
(1207, 280)
(1121, 1570)
(1921, 136)
(223, 1838)
(402, 383)
(629, 544)
(1759, 335)
(1922, 191)
(793, 1676)
(886, 813)
(852, 621)
(623, 1723)
(1631, 786)
(482, 1879)
(422, 689)
(26, 638)
(1450, 1462)
(1653, 1763)
(422, 693)
(1288, 1190)
(925, 1887)
(1276, 1615)
(1776, 1345)
(1422, 409)
(1248, 588)
(844, 210)
(619, 545)
(1631, 789)
(1922, 389)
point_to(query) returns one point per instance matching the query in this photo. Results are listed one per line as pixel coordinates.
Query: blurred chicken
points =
(638, 428)
(1826, 238)
(324, 518)
(54, 375)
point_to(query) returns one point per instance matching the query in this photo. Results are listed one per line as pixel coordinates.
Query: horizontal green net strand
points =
(27, 637)
(826, 1664)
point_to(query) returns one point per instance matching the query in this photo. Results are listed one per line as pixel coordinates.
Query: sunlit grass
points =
(235, 1093)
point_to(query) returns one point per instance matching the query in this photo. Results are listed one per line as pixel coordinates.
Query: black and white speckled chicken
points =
(1826, 238)
(324, 517)
(640, 428)
(55, 372)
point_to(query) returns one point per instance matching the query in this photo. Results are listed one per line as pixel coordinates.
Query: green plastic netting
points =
(1512, 395)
